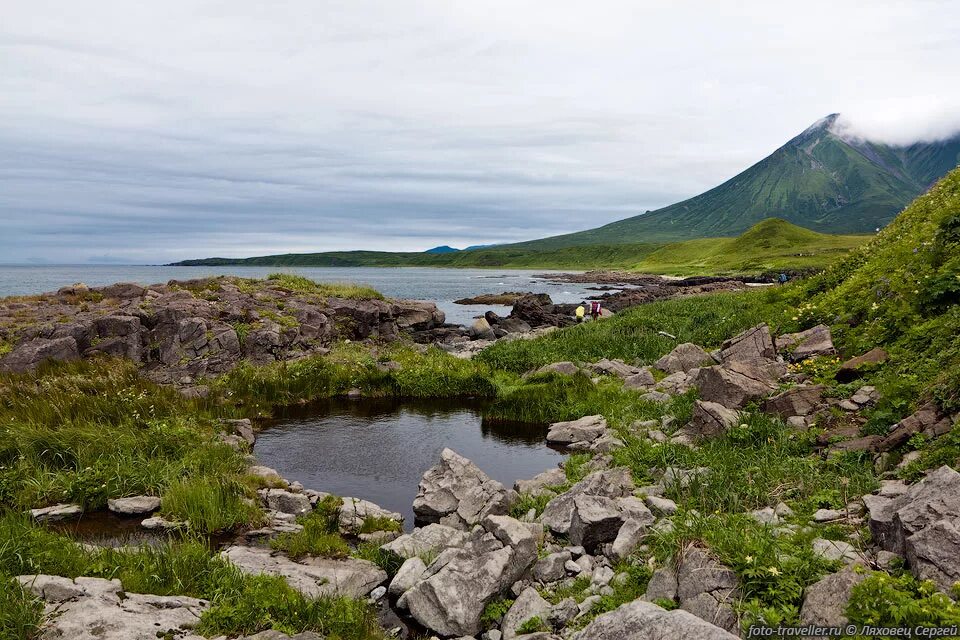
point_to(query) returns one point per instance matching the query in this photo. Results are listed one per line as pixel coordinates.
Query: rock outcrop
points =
(452, 593)
(922, 525)
(189, 329)
(313, 577)
(98, 609)
(640, 620)
(455, 492)
(683, 358)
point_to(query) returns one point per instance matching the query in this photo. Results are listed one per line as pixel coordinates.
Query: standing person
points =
(580, 311)
(783, 278)
(595, 310)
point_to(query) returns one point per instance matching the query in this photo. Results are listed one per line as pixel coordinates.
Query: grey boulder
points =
(455, 492)
(639, 620)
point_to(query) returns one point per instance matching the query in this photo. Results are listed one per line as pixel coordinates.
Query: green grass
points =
(319, 536)
(209, 504)
(633, 335)
(20, 613)
(755, 465)
(768, 247)
(901, 601)
(257, 390)
(85, 432)
(773, 568)
(301, 284)
(241, 604)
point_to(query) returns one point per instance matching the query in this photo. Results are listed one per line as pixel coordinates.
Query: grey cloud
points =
(191, 128)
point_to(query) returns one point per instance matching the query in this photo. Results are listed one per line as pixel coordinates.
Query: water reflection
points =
(378, 449)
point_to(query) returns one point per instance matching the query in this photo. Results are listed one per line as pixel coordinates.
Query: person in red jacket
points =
(595, 310)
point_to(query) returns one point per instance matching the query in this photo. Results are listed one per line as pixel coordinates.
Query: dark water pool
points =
(379, 449)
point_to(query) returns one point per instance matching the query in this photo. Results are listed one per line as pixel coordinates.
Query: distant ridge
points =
(442, 249)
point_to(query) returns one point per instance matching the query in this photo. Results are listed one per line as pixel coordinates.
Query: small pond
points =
(378, 449)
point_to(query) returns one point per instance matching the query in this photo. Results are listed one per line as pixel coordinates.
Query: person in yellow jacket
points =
(580, 312)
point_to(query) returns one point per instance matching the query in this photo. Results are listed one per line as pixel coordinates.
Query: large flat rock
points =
(93, 609)
(314, 576)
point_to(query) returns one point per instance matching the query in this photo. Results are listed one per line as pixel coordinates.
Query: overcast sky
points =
(157, 131)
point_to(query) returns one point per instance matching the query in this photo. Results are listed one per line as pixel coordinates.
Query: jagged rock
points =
(677, 383)
(628, 538)
(27, 356)
(699, 572)
(614, 367)
(285, 501)
(528, 605)
(564, 368)
(816, 341)
(550, 568)
(563, 612)
(753, 344)
(135, 505)
(683, 358)
(662, 585)
(639, 620)
(266, 474)
(707, 589)
(93, 609)
(660, 505)
(313, 577)
(799, 401)
(612, 483)
(461, 582)
(935, 498)
(642, 380)
(481, 330)
(541, 482)
(586, 429)
(159, 523)
(715, 608)
(933, 553)
(656, 396)
(604, 444)
(457, 493)
(56, 512)
(735, 384)
(709, 420)
(825, 602)
(926, 420)
(595, 520)
(855, 367)
(407, 575)
(425, 540)
(354, 511)
(241, 427)
(767, 515)
(837, 550)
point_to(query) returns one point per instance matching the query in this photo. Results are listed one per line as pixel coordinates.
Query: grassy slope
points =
(899, 291)
(771, 245)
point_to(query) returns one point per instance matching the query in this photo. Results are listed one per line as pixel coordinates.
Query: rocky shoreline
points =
(467, 551)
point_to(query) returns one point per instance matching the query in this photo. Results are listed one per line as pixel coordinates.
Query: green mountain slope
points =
(768, 246)
(820, 180)
(901, 291)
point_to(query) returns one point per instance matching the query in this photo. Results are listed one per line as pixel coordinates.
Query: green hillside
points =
(603, 256)
(771, 245)
(819, 180)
